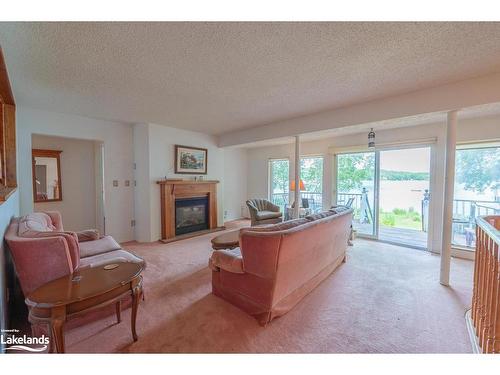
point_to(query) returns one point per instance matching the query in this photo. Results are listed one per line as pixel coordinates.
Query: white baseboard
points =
(472, 333)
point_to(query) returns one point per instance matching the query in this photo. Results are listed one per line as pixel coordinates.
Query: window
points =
(477, 190)
(311, 173)
(279, 170)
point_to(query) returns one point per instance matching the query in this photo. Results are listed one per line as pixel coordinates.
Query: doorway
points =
(80, 179)
(389, 190)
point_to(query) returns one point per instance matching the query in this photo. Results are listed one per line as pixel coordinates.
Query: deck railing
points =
(465, 212)
(465, 208)
(315, 200)
(485, 312)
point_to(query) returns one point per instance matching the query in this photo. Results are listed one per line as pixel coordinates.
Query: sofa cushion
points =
(280, 226)
(32, 224)
(320, 215)
(228, 260)
(100, 246)
(87, 235)
(115, 256)
(264, 215)
(339, 209)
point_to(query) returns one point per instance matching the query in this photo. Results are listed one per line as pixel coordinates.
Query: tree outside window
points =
(279, 176)
(311, 173)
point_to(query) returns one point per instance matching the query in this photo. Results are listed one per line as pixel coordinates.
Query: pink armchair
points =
(42, 251)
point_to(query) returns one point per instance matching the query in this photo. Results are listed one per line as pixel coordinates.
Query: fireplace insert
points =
(191, 215)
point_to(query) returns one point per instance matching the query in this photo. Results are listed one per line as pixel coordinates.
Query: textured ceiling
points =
(484, 110)
(219, 77)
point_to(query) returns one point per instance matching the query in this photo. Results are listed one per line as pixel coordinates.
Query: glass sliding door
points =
(404, 196)
(279, 170)
(311, 173)
(477, 190)
(356, 188)
(389, 191)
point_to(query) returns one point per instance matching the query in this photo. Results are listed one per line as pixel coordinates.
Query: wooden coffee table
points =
(231, 240)
(83, 291)
(227, 240)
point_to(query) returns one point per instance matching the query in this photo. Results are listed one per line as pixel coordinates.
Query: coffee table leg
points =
(118, 307)
(136, 297)
(57, 335)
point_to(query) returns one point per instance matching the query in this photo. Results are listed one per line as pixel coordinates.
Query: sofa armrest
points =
(273, 207)
(260, 251)
(40, 260)
(87, 235)
(228, 260)
(100, 246)
(71, 242)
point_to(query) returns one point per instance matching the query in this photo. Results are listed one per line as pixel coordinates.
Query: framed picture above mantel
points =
(190, 160)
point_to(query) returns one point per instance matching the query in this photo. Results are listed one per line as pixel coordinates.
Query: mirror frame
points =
(47, 154)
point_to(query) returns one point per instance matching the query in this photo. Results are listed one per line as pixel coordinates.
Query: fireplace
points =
(191, 215)
(178, 223)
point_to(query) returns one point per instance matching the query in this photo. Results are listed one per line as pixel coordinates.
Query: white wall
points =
(151, 147)
(235, 183)
(472, 130)
(118, 161)
(154, 157)
(78, 205)
(8, 209)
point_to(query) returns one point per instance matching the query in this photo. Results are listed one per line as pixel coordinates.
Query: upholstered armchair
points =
(42, 251)
(263, 212)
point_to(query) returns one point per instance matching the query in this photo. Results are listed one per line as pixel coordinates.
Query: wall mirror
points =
(46, 175)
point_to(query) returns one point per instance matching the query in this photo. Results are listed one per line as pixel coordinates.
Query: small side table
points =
(83, 291)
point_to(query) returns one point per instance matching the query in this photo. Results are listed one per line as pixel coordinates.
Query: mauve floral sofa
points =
(278, 265)
(42, 251)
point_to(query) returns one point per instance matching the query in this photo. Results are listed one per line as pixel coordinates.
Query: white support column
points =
(296, 209)
(449, 180)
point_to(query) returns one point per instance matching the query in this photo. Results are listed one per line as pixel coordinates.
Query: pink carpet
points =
(385, 299)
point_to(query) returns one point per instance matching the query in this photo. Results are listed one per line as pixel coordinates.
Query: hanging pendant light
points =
(371, 139)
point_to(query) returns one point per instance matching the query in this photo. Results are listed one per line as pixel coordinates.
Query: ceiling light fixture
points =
(371, 139)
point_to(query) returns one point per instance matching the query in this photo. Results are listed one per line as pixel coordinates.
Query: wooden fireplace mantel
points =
(170, 190)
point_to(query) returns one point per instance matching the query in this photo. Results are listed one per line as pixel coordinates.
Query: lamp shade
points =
(301, 185)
